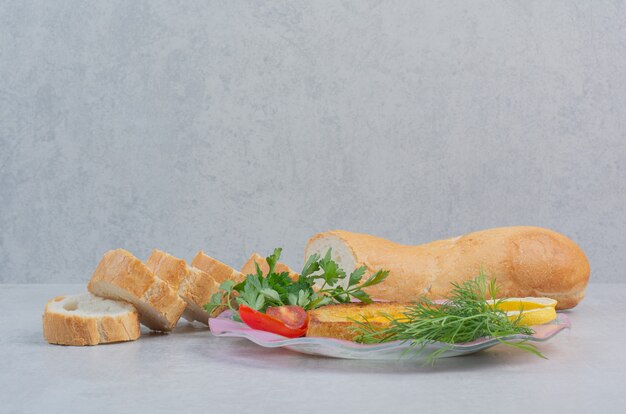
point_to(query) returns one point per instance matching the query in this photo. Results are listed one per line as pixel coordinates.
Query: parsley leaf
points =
(376, 278)
(260, 291)
(356, 276)
(331, 270)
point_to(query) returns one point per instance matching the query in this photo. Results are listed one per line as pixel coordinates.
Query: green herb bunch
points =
(465, 316)
(260, 291)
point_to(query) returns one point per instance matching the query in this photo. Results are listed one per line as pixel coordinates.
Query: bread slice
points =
(197, 289)
(86, 319)
(250, 268)
(337, 321)
(193, 285)
(168, 268)
(121, 276)
(218, 270)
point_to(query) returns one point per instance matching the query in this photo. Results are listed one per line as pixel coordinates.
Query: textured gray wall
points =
(234, 127)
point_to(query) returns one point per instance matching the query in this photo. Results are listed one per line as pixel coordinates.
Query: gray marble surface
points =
(189, 370)
(236, 126)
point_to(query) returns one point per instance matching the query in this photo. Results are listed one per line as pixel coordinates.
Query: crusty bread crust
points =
(526, 261)
(250, 268)
(336, 321)
(218, 270)
(192, 284)
(121, 276)
(167, 267)
(202, 288)
(197, 289)
(79, 330)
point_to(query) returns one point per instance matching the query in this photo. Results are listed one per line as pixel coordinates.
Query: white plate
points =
(223, 325)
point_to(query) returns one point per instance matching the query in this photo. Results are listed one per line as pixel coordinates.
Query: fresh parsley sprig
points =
(260, 291)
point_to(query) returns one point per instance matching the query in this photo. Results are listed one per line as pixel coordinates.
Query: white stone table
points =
(192, 371)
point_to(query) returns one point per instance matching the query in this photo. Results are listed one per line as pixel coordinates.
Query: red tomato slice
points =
(293, 316)
(257, 320)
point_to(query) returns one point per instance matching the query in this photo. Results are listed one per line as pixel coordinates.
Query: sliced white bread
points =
(197, 289)
(250, 268)
(168, 268)
(218, 270)
(192, 284)
(86, 319)
(201, 289)
(121, 276)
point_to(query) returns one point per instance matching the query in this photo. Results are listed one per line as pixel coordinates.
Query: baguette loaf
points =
(525, 261)
(193, 285)
(89, 320)
(121, 276)
(250, 268)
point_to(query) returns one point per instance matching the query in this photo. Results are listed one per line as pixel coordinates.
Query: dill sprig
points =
(465, 316)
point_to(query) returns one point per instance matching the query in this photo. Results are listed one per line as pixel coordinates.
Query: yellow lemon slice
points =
(535, 311)
(527, 304)
(537, 316)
